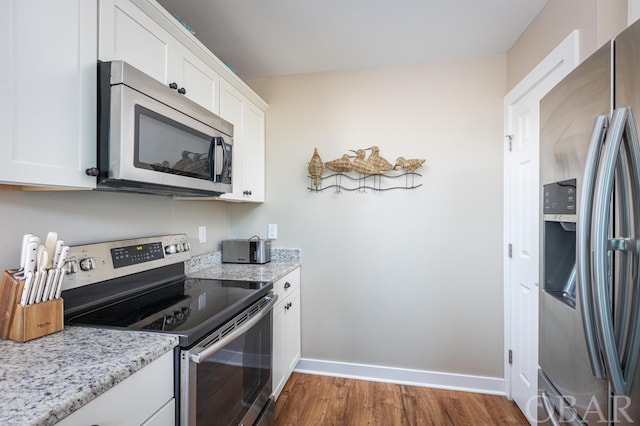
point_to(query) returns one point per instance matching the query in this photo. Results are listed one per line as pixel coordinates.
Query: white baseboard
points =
(431, 379)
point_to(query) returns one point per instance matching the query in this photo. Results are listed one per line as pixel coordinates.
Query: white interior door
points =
(522, 219)
(524, 199)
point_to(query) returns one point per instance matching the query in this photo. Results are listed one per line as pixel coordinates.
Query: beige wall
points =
(82, 217)
(597, 21)
(408, 279)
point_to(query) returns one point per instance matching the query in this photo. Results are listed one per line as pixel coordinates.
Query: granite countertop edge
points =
(63, 372)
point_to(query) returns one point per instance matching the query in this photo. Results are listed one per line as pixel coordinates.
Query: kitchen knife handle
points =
(26, 290)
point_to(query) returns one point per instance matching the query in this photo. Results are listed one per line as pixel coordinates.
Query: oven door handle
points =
(205, 352)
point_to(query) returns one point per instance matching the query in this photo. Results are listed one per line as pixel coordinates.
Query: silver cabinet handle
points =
(583, 250)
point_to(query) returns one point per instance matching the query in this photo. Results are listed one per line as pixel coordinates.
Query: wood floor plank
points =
(311, 400)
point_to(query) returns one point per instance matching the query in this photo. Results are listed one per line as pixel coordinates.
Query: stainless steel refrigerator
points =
(589, 319)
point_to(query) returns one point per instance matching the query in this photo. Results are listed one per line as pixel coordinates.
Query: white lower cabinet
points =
(144, 398)
(163, 417)
(286, 329)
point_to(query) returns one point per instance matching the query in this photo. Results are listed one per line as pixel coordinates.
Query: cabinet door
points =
(166, 416)
(48, 95)
(253, 153)
(200, 82)
(292, 332)
(135, 400)
(128, 34)
(286, 329)
(248, 144)
(232, 109)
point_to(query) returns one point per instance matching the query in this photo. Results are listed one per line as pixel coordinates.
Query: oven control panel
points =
(137, 253)
(91, 263)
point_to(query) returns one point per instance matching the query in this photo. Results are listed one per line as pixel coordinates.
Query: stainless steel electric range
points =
(223, 362)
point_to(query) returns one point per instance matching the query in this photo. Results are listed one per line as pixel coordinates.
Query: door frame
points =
(556, 65)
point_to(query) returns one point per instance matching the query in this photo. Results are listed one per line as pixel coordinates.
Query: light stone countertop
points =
(46, 379)
(209, 266)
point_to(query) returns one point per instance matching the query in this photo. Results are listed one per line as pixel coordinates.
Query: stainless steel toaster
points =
(246, 251)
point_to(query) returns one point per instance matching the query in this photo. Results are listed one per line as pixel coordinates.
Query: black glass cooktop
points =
(190, 308)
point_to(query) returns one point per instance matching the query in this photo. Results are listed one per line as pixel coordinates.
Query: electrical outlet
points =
(272, 231)
(202, 234)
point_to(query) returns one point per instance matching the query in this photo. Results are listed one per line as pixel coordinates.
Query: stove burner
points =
(167, 321)
(190, 307)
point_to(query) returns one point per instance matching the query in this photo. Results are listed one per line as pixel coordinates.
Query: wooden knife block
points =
(23, 323)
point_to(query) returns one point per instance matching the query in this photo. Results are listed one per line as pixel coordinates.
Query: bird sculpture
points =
(410, 165)
(342, 164)
(377, 161)
(364, 166)
(316, 167)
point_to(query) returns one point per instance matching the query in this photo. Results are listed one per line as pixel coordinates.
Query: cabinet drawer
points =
(152, 387)
(287, 285)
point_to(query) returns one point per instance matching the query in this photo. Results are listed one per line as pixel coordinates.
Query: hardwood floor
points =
(310, 400)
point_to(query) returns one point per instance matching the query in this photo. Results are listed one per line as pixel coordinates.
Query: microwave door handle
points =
(217, 167)
(225, 155)
(584, 248)
(212, 158)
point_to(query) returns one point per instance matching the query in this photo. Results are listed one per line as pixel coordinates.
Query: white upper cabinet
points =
(248, 145)
(200, 83)
(48, 96)
(129, 34)
(144, 34)
(253, 153)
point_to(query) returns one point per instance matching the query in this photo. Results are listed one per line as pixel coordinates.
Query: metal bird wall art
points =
(363, 172)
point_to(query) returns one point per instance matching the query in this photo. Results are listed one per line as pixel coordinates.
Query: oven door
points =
(226, 378)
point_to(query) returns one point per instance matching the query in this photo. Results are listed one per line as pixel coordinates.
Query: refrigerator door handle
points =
(548, 408)
(583, 250)
(622, 130)
(631, 320)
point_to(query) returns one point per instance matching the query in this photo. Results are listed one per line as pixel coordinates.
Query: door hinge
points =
(510, 356)
(510, 137)
(510, 250)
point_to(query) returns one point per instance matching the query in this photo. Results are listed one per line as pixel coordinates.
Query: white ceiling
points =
(262, 38)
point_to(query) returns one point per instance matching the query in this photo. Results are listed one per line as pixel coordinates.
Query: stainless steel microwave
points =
(154, 140)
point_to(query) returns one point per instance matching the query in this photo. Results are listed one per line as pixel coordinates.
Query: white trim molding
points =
(402, 376)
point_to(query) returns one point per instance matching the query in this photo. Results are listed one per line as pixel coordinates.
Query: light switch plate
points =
(202, 234)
